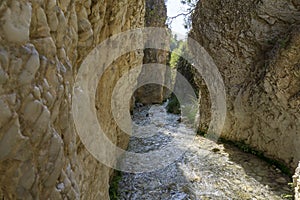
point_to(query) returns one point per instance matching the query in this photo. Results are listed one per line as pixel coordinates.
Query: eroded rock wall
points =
(156, 16)
(42, 44)
(255, 45)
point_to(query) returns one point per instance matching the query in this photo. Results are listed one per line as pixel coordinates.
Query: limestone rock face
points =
(156, 16)
(255, 45)
(296, 182)
(42, 45)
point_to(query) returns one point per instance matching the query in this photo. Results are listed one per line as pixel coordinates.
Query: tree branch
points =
(170, 19)
(181, 14)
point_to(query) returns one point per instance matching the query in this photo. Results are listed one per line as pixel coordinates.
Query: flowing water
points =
(206, 170)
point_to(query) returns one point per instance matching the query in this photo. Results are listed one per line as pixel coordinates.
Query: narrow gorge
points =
(44, 51)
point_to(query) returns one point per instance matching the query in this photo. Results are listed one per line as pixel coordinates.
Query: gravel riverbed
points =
(207, 170)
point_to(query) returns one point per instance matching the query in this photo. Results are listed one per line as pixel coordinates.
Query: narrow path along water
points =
(207, 170)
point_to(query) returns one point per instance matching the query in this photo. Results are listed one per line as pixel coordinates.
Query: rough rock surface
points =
(296, 182)
(255, 45)
(156, 16)
(42, 44)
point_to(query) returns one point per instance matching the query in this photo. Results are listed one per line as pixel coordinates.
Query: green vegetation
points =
(173, 105)
(283, 43)
(177, 47)
(179, 50)
(287, 196)
(114, 183)
(201, 132)
(190, 111)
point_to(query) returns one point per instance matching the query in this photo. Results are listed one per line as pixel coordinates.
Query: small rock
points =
(60, 187)
(281, 180)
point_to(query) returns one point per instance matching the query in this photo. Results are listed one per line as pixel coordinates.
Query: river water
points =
(206, 170)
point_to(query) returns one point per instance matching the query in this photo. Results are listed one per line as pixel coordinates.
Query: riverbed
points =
(206, 170)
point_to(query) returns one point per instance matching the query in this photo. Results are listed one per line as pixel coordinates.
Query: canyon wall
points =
(155, 16)
(255, 45)
(42, 45)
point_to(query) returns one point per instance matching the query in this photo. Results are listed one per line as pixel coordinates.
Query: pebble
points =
(200, 173)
